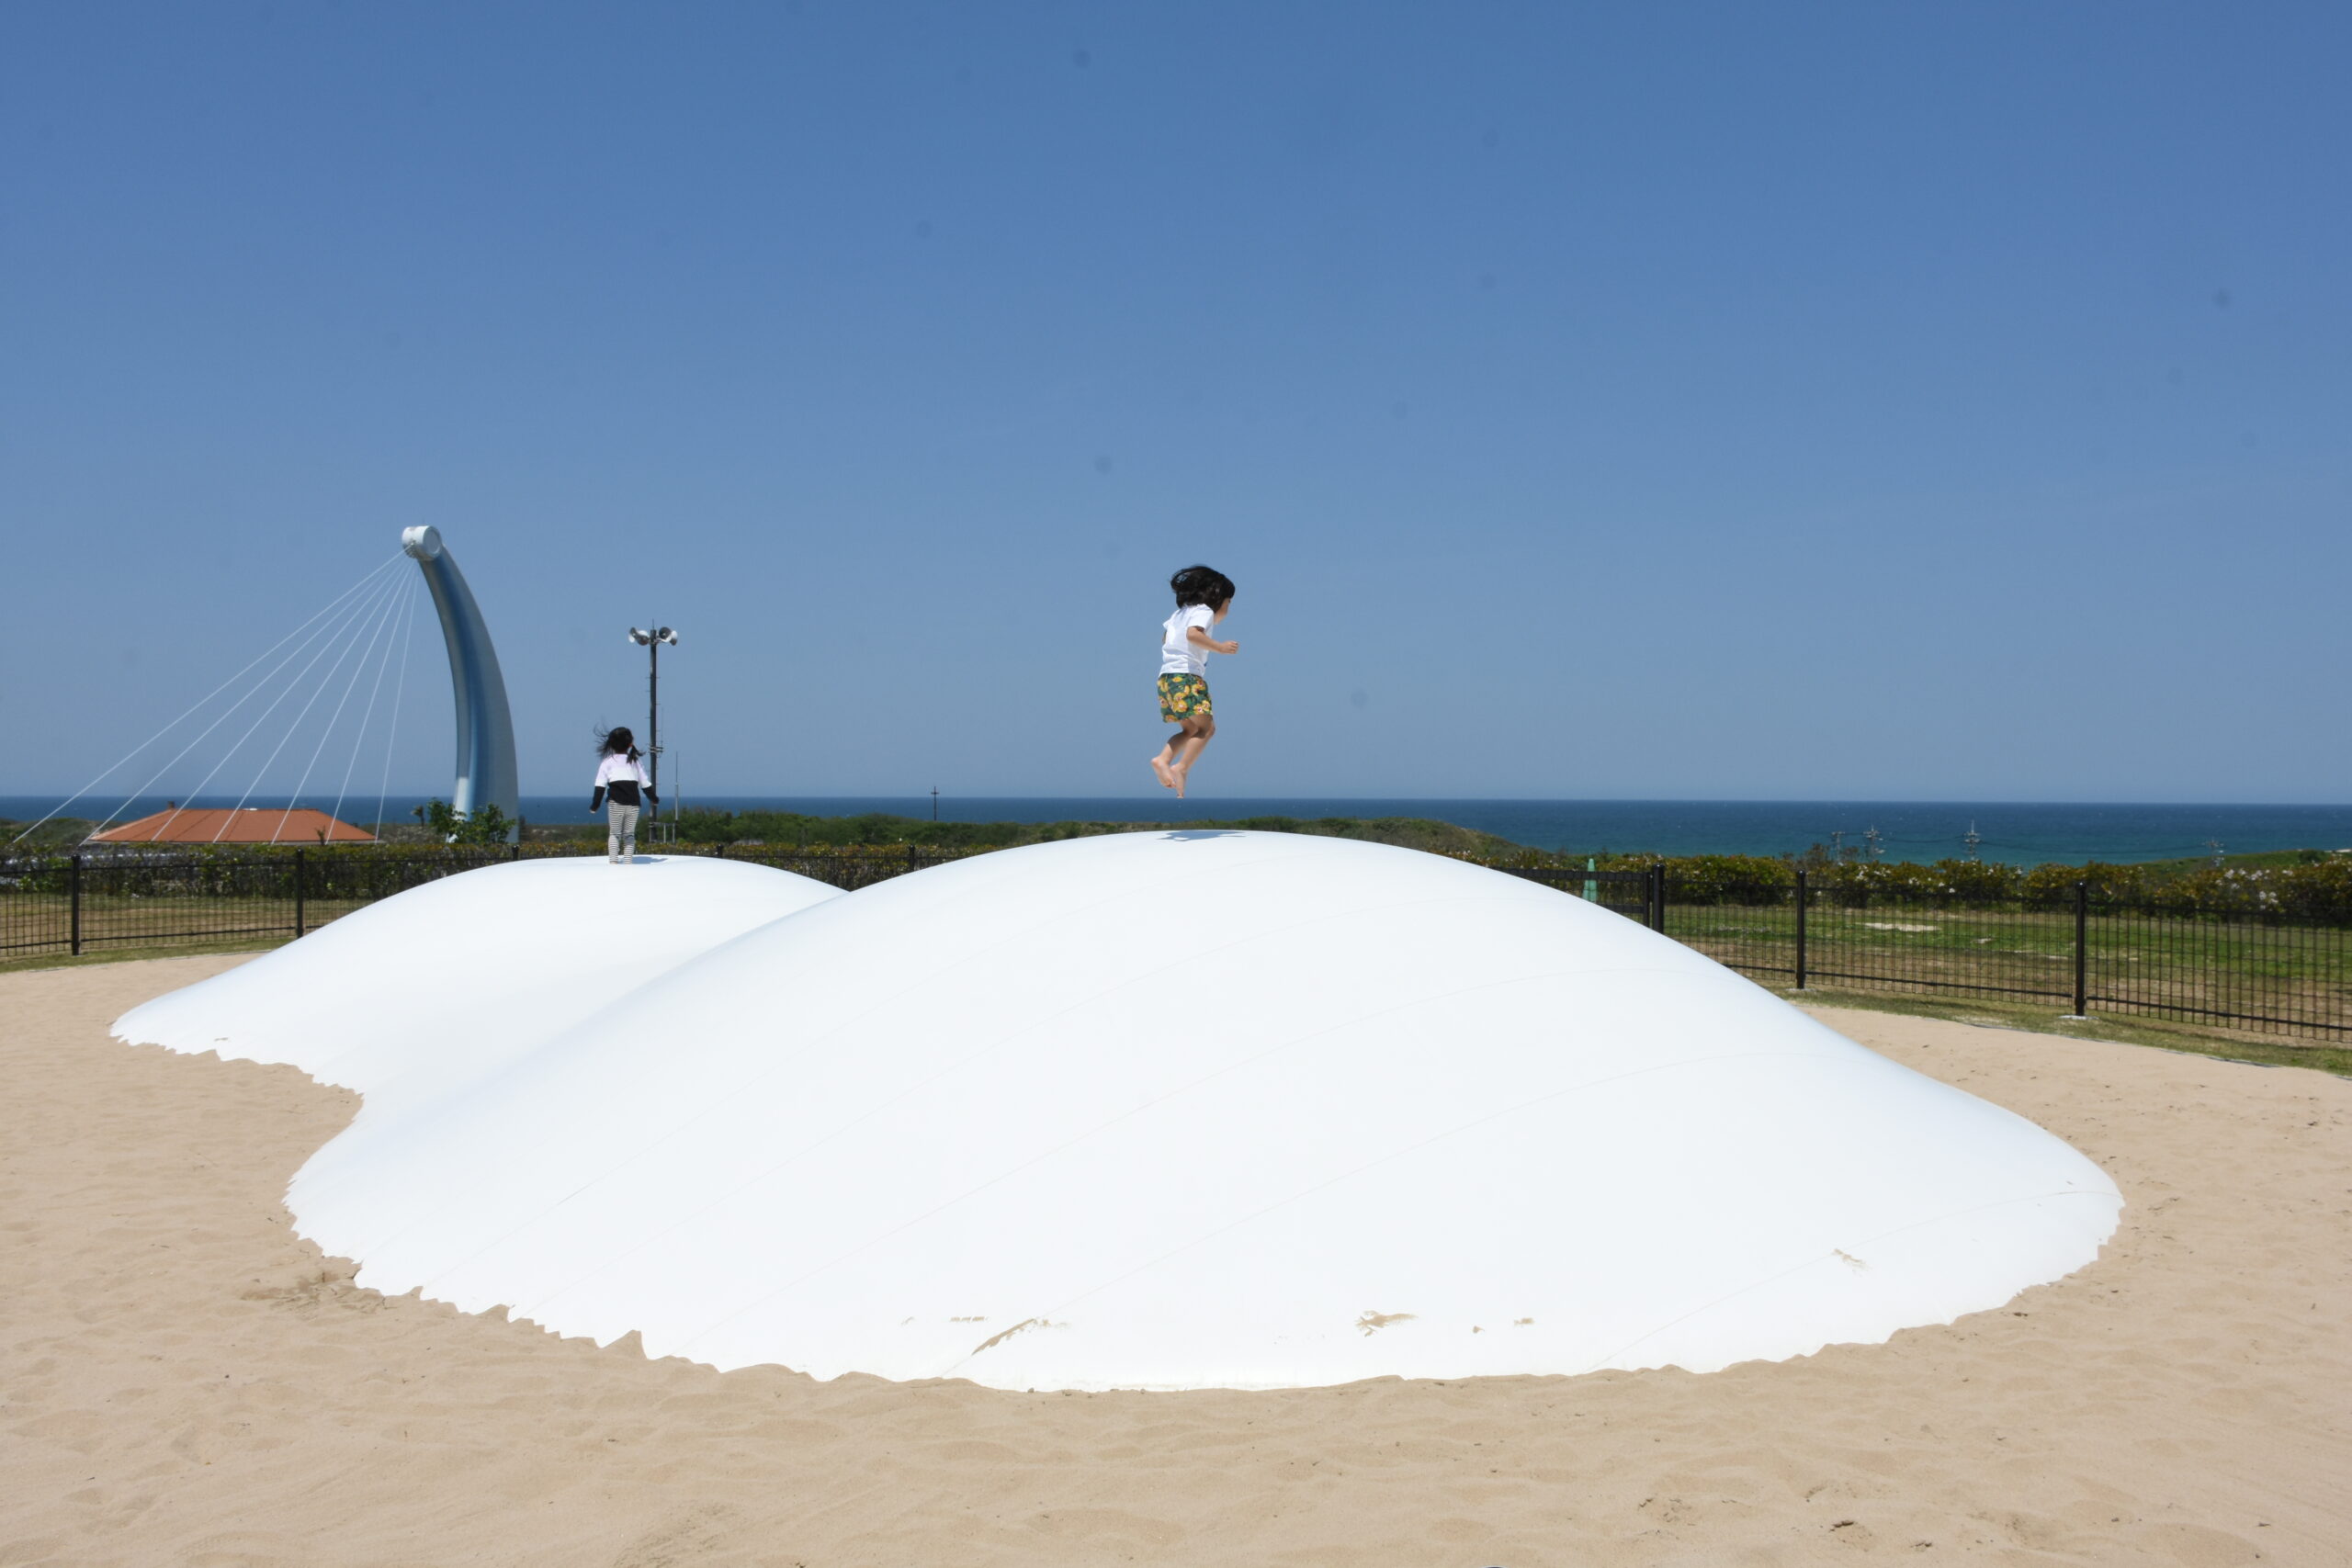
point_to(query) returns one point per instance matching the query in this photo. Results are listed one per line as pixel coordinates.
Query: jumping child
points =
(1203, 596)
(621, 776)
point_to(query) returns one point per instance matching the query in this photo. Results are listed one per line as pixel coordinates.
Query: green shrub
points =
(2320, 893)
(1730, 879)
(487, 826)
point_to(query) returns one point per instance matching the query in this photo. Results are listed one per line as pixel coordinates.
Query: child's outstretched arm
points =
(1200, 638)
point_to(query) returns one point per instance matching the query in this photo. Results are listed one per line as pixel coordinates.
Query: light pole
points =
(651, 642)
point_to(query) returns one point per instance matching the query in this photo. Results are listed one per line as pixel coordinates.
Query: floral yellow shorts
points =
(1182, 697)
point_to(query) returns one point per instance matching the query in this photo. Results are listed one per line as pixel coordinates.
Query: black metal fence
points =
(2252, 972)
(1636, 894)
(2247, 972)
(73, 904)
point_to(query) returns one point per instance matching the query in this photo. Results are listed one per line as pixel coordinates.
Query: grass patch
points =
(2295, 974)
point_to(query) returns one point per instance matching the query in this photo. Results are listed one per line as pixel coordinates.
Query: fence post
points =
(2082, 945)
(73, 883)
(910, 857)
(517, 853)
(297, 894)
(1657, 897)
(1801, 892)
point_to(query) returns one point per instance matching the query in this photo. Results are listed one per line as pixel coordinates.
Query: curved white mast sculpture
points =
(486, 774)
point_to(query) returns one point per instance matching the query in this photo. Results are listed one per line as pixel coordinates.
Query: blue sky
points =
(1941, 402)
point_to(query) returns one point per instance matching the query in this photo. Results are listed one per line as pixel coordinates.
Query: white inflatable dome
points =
(1209, 1109)
(410, 1000)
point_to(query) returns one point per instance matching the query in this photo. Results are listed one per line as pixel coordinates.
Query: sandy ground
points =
(183, 1381)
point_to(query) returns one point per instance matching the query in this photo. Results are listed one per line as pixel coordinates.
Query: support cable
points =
(325, 642)
(325, 636)
(350, 628)
(359, 735)
(375, 631)
(200, 704)
(400, 689)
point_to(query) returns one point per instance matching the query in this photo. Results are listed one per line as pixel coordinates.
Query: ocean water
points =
(2018, 833)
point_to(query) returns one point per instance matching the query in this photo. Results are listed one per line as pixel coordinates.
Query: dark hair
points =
(613, 741)
(1202, 585)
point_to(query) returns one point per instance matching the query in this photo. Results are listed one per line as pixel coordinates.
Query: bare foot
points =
(1178, 774)
(1167, 779)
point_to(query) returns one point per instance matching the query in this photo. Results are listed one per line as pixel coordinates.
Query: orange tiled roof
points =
(254, 825)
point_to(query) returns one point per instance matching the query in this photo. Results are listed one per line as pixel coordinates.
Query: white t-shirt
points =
(1177, 654)
(617, 765)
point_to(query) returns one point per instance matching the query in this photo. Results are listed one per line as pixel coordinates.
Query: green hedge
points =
(2318, 893)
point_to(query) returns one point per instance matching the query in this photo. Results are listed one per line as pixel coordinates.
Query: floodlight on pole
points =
(651, 642)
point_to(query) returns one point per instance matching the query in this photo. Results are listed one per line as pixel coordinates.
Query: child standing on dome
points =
(623, 789)
(1203, 596)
